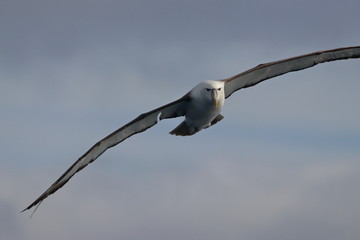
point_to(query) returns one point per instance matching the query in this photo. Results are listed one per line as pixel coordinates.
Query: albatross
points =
(200, 107)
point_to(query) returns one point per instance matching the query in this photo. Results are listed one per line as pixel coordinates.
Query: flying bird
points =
(201, 107)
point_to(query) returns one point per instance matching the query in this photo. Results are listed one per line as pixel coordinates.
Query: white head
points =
(211, 92)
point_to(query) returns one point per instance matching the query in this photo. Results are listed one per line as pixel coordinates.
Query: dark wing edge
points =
(269, 70)
(139, 124)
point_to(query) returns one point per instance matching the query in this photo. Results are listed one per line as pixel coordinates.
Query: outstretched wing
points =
(266, 71)
(139, 124)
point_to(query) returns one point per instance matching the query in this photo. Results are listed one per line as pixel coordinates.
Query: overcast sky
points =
(283, 164)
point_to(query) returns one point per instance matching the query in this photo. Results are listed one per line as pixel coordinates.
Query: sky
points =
(283, 164)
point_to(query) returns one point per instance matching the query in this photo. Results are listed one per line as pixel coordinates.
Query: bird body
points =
(206, 101)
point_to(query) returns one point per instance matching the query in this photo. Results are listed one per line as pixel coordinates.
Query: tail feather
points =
(217, 119)
(183, 130)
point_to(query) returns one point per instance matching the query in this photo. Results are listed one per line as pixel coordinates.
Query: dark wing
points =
(139, 124)
(266, 71)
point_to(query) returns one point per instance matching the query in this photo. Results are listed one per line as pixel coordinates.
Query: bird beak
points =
(214, 95)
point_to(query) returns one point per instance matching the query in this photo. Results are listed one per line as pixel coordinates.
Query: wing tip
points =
(36, 203)
(28, 207)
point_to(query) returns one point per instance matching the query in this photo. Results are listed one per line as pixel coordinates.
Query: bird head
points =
(210, 92)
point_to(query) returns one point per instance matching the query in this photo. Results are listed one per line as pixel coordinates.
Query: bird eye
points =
(219, 89)
(208, 89)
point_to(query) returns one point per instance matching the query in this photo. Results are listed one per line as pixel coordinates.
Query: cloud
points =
(281, 165)
(247, 197)
(10, 226)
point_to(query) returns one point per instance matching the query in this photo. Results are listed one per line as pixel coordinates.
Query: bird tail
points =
(183, 130)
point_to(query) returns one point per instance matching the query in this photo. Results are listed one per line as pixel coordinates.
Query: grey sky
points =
(283, 164)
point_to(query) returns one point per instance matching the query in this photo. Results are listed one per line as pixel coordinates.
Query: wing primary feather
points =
(139, 124)
(269, 70)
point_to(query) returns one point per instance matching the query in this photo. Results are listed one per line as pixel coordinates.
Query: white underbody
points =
(200, 115)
